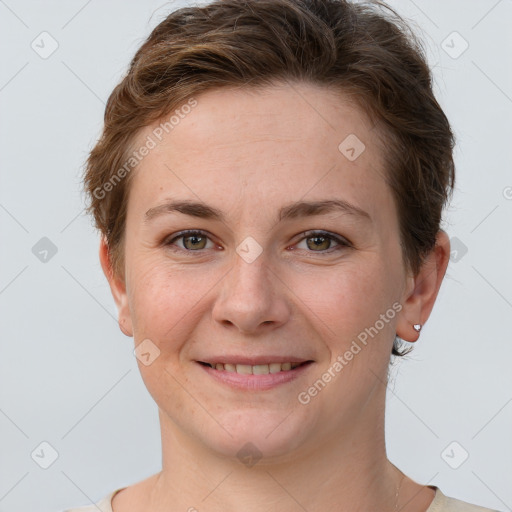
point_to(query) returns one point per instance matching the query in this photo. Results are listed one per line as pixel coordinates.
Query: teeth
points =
(259, 369)
(274, 367)
(246, 369)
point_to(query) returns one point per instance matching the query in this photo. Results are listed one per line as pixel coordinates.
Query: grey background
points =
(68, 376)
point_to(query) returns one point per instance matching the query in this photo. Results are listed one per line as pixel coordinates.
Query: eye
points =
(322, 241)
(315, 241)
(190, 241)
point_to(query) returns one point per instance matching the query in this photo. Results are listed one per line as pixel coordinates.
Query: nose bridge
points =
(250, 263)
(249, 279)
(249, 296)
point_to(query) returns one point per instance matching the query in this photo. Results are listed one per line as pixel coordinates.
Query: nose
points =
(251, 297)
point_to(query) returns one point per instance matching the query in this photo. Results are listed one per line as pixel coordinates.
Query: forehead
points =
(280, 143)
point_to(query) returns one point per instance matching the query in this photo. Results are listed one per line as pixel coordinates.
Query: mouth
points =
(255, 373)
(258, 369)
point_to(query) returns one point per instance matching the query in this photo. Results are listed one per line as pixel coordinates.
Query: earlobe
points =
(117, 288)
(419, 298)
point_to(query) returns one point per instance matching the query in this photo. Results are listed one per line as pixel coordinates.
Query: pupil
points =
(195, 240)
(319, 240)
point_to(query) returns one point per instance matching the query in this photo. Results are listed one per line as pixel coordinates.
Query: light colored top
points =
(440, 503)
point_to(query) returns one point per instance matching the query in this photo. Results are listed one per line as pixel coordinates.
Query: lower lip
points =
(255, 382)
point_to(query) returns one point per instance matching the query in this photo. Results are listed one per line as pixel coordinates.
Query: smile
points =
(259, 369)
(258, 377)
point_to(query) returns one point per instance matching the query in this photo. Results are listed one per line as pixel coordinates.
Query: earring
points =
(417, 327)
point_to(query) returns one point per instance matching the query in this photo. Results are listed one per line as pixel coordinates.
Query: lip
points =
(256, 382)
(253, 360)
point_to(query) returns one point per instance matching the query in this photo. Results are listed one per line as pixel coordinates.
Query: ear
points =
(118, 289)
(421, 291)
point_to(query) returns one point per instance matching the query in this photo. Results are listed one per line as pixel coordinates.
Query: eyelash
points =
(342, 242)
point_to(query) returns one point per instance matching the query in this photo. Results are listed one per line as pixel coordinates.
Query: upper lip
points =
(254, 360)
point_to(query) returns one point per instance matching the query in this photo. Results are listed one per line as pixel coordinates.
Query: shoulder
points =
(442, 503)
(134, 498)
(103, 505)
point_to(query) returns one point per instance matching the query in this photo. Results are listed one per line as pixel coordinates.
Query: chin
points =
(258, 436)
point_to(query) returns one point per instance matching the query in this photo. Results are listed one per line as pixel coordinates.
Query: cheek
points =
(166, 302)
(344, 299)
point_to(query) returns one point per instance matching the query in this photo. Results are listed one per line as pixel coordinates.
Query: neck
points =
(347, 472)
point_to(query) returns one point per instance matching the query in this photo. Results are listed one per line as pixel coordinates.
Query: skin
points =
(248, 153)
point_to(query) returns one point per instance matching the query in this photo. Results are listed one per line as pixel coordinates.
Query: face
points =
(291, 254)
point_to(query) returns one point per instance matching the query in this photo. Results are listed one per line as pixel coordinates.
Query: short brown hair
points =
(365, 50)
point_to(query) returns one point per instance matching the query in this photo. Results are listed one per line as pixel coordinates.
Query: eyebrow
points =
(292, 211)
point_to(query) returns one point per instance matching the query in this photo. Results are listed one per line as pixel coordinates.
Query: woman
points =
(269, 187)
